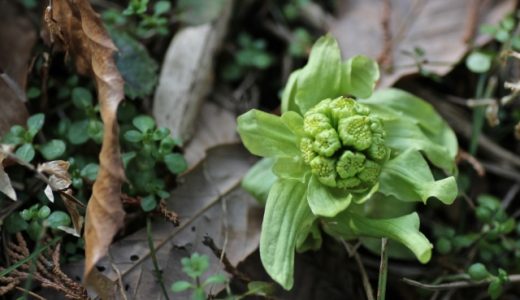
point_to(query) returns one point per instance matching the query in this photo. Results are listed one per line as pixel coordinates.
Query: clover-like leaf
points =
(143, 123)
(57, 219)
(175, 162)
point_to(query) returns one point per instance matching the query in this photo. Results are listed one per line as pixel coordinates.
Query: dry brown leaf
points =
(441, 28)
(208, 201)
(58, 170)
(5, 182)
(77, 29)
(17, 38)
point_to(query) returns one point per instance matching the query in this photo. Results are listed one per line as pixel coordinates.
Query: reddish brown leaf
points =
(17, 38)
(76, 28)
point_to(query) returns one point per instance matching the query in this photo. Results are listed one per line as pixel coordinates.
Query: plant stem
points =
(154, 257)
(364, 277)
(456, 284)
(383, 270)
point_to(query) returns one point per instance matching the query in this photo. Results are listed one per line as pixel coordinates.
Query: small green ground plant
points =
(344, 161)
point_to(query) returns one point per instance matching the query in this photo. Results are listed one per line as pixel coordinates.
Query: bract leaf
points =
(321, 77)
(408, 177)
(325, 201)
(359, 76)
(286, 214)
(403, 229)
(259, 179)
(266, 135)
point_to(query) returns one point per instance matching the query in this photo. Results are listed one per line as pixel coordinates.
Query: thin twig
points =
(456, 284)
(383, 270)
(153, 255)
(364, 277)
(228, 266)
(30, 293)
(477, 166)
(511, 194)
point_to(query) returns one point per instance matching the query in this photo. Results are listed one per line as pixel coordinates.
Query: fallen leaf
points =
(207, 135)
(208, 201)
(17, 38)
(186, 74)
(441, 28)
(76, 28)
(5, 182)
(58, 170)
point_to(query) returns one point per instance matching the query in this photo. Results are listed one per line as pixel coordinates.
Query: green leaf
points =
(180, 286)
(408, 177)
(25, 152)
(196, 12)
(15, 223)
(478, 272)
(95, 130)
(90, 171)
(81, 97)
(321, 78)
(397, 105)
(138, 68)
(148, 203)
(161, 7)
(57, 219)
(259, 179)
(403, 229)
(291, 168)
(160, 133)
(216, 279)
(52, 149)
(198, 294)
(76, 133)
(35, 124)
(289, 93)
(175, 162)
(479, 62)
(325, 201)
(495, 288)
(294, 122)
(402, 136)
(144, 123)
(359, 76)
(195, 265)
(14, 136)
(266, 135)
(286, 214)
(260, 288)
(43, 212)
(133, 136)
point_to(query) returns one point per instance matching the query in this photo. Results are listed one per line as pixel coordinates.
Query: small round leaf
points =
(25, 152)
(180, 286)
(148, 203)
(479, 62)
(175, 162)
(35, 123)
(58, 218)
(53, 149)
(133, 136)
(143, 123)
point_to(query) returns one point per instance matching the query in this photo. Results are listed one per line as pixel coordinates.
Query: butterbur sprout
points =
(336, 152)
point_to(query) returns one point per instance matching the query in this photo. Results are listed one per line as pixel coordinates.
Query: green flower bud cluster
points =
(344, 144)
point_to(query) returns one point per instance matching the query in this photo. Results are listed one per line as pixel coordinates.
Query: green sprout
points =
(23, 139)
(196, 266)
(339, 156)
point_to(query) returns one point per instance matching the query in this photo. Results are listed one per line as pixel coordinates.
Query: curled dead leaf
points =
(58, 170)
(77, 29)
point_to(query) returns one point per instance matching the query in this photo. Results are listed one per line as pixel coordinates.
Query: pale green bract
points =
(334, 149)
